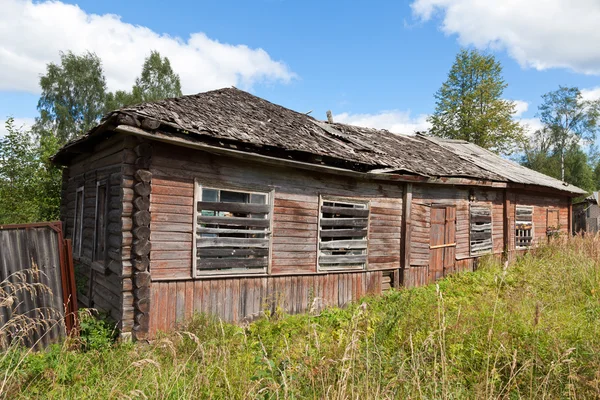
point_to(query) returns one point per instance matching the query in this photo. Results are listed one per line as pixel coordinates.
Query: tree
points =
(469, 105)
(29, 184)
(569, 118)
(540, 155)
(156, 82)
(73, 96)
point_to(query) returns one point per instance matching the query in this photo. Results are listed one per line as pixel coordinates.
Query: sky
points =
(372, 63)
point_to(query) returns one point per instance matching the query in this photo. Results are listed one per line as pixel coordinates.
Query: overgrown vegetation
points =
(528, 331)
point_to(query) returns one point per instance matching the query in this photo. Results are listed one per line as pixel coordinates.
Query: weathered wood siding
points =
(109, 280)
(541, 204)
(246, 298)
(296, 209)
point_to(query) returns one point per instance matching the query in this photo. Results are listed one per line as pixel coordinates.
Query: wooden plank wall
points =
(103, 162)
(296, 208)
(239, 299)
(541, 203)
(423, 197)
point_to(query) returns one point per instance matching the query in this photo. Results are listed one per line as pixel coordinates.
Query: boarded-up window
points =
(232, 231)
(100, 231)
(523, 226)
(552, 222)
(78, 222)
(343, 234)
(481, 230)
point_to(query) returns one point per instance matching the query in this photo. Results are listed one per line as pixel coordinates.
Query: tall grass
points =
(531, 330)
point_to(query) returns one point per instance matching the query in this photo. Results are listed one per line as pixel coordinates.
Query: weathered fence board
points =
(40, 255)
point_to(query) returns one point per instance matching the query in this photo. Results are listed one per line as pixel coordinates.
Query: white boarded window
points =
(481, 230)
(343, 228)
(233, 230)
(523, 226)
(78, 222)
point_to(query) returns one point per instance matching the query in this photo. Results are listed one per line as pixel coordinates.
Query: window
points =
(481, 230)
(100, 231)
(523, 227)
(232, 231)
(343, 234)
(78, 223)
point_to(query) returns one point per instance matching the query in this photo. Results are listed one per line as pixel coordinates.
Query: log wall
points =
(296, 209)
(147, 282)
(102, 284)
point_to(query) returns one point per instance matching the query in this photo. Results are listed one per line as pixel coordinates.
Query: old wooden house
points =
(225, 203)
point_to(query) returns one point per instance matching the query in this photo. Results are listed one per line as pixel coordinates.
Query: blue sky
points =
(374, 63)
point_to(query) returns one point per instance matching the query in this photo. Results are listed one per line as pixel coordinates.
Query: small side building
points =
(586, 215)
(225, 203)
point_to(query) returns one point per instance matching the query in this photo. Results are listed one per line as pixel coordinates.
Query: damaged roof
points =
(510, 171)
(230, 116)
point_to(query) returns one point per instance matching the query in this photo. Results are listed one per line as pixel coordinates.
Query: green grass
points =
(530, 331)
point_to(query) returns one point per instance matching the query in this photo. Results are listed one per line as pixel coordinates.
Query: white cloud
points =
(537, 33)
(32, 34)
(20, 123)
(591, 94)
(521, 107)
(396, 121)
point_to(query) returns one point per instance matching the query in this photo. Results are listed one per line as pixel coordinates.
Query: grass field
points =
(528, 331)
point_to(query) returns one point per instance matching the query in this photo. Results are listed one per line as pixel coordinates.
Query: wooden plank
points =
(358, 232)
(234, 207)
(346, 222)
(346, 211)
(233, 242)
(228, 252)
(238, 221)
(171, 254)
(343, 259)
(215, 263)
(171, 227)
(159, 216)
(166, 246)
(343, 244)
(173, 200)
(170, 237)
(201, 230)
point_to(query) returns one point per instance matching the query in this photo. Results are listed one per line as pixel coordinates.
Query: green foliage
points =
(29, 183)
(532, 330)
(469, 105)
(96, 332)
(568, 120)
(73, 96)
(577, 167)
(73, 100)
(156, 82)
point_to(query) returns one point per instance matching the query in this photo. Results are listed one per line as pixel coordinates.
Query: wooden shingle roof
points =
(232, 117)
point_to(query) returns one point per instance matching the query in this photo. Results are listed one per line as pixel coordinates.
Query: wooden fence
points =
(37, 286)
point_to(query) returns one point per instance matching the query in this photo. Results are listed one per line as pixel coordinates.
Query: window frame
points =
(517, 206)
(270, 196)
(491, 250)
(78, 221)
(342, 199)
(95, 258)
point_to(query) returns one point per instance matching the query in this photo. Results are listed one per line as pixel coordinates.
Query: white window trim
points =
(532, 227)
(106, 196)
(79, 221)
(358, 200)
(491, 251)
(270, 193)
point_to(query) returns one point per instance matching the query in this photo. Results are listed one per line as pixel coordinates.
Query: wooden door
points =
(552, 223)
(442, 243)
